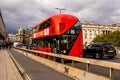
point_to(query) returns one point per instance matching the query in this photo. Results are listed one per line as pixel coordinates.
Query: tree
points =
(27, 36)
(112, 38)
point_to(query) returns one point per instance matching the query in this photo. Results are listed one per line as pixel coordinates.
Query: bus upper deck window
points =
(72, 31)
(78, 25)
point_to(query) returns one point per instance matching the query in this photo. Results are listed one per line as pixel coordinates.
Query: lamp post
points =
(60, 9)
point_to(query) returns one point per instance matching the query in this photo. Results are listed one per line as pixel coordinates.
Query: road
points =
(37, 71)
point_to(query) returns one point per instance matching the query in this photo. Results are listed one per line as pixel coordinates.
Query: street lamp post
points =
(60, 9)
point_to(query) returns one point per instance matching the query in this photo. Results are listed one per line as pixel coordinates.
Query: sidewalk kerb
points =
(20, 69)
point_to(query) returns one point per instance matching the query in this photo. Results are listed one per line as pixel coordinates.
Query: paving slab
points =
(8, 70)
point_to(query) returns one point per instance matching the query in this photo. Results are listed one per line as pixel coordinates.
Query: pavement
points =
(8, 70)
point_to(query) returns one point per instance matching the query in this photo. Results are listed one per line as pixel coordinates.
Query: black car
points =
(100, 50)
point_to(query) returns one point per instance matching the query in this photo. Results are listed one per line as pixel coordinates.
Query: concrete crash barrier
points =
(71, 71)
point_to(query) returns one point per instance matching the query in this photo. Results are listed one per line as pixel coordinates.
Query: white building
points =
(12, 37)
(20, 35)
(90, 30)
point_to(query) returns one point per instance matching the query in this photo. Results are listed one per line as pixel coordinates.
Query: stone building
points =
(91, 30)
(24, 36)
(12, 37)
(27, 36)
(20, 35)
(2, 29)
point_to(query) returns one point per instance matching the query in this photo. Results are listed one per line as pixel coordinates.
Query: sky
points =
(27, 13)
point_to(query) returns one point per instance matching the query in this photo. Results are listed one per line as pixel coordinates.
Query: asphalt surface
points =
(37, 71)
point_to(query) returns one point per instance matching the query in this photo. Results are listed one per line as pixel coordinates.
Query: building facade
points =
(2, 29)
(24, 36)
(91, 30)
(20, 35)
(12, 38)
(27, 36)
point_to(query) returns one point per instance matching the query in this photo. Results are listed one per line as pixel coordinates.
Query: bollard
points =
(88, 67)
(72, 63)
(54, 58)
(111, 74)
(62, 60)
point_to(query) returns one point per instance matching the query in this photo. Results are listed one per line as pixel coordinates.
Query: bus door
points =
(45, 46)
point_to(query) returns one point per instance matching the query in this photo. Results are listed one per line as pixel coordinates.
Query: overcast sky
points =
(27, 13)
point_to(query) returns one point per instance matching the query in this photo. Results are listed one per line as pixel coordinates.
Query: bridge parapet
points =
(49, 59)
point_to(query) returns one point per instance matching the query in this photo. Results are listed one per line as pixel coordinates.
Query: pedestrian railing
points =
(77, 62)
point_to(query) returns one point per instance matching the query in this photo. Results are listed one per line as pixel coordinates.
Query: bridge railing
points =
(111, 66)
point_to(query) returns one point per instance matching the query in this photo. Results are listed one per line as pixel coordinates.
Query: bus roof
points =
(55, 25)
(55, 16)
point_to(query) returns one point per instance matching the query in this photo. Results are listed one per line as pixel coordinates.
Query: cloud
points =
(27, 13)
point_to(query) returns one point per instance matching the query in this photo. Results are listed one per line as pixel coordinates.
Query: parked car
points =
(100, 50)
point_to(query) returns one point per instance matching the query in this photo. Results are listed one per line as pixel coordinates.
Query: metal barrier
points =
(111, 66)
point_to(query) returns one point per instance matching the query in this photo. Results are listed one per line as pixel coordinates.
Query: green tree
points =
(112, 37)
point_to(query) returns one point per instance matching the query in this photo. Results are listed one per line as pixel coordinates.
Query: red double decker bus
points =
(60, 34)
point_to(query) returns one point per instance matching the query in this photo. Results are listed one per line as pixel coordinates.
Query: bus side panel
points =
(35, 48)
(45, 49)
(77, 49)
